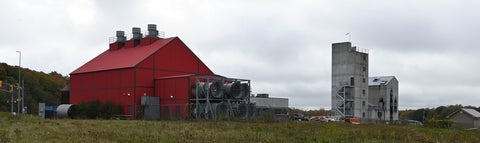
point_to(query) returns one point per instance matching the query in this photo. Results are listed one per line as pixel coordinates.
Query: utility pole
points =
(11, 99)
(23, 97)
(19, 81)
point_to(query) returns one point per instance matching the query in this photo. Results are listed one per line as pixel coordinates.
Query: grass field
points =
(32, 129)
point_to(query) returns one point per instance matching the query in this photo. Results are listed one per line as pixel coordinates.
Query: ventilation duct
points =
(212, 89)
(152, 30)
(233, 90)
(137, 35)
(198, 90)
(216, 89)
(121, 36)
(245, 92)
(221, 109)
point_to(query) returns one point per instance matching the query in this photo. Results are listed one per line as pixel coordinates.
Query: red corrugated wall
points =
(113, 86)
(174, 96)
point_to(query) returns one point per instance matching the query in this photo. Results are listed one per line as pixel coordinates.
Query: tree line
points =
(438, 113)
(38, 87)
(423, 115)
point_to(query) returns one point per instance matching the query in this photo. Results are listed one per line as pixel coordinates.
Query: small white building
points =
(466, 118)
(383, 98)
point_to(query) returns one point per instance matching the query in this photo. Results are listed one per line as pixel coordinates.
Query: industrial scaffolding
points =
(219, 97)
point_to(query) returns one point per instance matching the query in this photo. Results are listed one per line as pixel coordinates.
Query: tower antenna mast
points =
(349, 37)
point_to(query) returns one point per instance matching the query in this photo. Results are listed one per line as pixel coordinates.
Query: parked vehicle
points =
(299, 117)
(332, 119)
(352, 120)
(319, 118)
(412, 122)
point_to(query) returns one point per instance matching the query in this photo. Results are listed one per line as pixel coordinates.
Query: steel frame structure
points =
(206, 107)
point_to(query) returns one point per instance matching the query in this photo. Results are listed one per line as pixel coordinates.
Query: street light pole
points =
(19, 80)
(11, 101)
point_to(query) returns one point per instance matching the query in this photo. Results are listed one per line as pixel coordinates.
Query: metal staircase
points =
(343, 100)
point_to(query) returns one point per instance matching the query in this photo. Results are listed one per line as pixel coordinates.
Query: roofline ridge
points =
(463, 109)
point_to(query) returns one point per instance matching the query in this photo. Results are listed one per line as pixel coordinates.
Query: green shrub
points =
(97, 110)
(439, 123)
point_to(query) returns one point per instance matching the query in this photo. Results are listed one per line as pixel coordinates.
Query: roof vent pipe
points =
(121, 36)
(152, 30)
(137, 35)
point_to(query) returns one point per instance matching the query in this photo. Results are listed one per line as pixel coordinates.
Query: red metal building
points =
(129, 69)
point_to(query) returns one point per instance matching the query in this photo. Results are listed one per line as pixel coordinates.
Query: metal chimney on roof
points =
(121, 36)
(137, 35)
(152, 30)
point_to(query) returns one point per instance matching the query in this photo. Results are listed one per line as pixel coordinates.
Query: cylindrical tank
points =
(65, 111)
(233, 90)
(198, 90)
(214, 89)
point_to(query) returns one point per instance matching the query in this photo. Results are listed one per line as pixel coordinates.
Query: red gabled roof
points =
(123, 58)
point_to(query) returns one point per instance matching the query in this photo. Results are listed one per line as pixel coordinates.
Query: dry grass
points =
(33, 129)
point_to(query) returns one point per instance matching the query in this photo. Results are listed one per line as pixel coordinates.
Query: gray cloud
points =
(283, 47)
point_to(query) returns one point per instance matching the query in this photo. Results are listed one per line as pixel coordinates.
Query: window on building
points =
(379, 115)
(395, 106)
(363, 91)
(352, 81)
(364, 68)
(381, 104)
(363, 103)
(363, 80)
(363, 114)
(391, 96)
(391, 105)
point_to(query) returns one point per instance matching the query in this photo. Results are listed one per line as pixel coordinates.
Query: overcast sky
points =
(284, 47)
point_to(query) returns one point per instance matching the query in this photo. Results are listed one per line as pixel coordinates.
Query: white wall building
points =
(383, 98)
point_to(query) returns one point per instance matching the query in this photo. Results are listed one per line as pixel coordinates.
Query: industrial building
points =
(465, 118)
(275, 105)
(354, 94)
(349, 81)
(154, 77)
(383, 98)
(264, 101)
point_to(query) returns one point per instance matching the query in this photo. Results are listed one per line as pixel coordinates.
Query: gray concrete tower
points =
(349, 81)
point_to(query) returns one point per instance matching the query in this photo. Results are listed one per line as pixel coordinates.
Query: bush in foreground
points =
(97, 110)
(439, 123)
